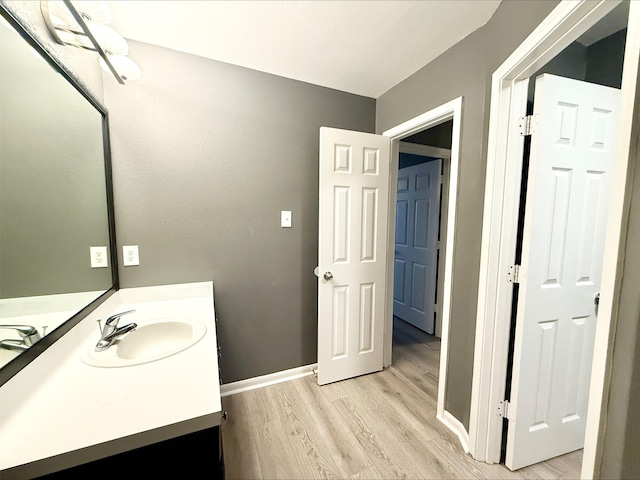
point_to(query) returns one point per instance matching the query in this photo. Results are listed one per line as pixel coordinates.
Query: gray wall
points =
(465, 70)
(600, 63)
(438, 136)
(205, 156)
(621, 444)
(605, 59)
(570, 63)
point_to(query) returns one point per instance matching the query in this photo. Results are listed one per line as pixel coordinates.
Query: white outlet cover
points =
(99, 257)
(130, 255)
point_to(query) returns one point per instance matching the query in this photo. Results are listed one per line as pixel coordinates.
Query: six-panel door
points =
(354, 198)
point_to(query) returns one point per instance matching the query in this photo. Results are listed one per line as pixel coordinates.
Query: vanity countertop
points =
(63, 412)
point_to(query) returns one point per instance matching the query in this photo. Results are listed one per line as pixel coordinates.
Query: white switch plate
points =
(285, 219)
(130, 255)
(99, 257)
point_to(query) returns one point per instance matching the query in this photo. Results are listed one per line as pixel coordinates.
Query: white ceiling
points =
(362, 47)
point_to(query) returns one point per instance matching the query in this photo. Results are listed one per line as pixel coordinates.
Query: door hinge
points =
(528, 125)
(516, 274)
(506, 410)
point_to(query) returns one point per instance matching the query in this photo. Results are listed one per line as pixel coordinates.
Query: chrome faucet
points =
(111, 332)
(28, 336)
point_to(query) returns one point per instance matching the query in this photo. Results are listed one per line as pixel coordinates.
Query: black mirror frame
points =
(14, 366)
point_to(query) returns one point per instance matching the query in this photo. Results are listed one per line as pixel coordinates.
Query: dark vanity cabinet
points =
(193, 456)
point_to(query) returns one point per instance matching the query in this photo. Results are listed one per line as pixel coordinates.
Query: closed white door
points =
(354, 204)
(572, 153)
(416, 248)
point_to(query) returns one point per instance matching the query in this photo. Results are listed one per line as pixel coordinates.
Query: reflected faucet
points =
(111, 332)
(28, 336)
(14, 345)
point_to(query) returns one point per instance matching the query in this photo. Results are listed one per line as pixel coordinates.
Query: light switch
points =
(130, 255)
(99, 258)
(285, 219)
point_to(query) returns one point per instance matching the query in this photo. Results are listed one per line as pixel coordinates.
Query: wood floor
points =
(380, 425)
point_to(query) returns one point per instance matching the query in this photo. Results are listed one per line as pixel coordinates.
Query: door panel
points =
(417, 217)
(567, 199)
(354, 201)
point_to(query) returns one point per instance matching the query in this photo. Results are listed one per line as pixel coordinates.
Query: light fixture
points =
(90, 11)
(127, 69)
(81, 23)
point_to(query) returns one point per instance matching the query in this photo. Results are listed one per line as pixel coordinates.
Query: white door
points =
(354, 203)
(417, 220)
(567, 199)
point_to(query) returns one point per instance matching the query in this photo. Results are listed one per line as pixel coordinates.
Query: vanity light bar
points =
(86, 32)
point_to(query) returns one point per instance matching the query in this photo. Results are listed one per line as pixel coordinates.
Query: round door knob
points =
(328, 275)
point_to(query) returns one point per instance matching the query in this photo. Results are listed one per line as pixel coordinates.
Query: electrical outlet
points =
(130, 255)
(99, 257)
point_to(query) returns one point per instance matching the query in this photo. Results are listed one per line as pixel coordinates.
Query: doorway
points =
(510, 83)
(561, 229)
(451, 111)
(420, 230)
(355, 332)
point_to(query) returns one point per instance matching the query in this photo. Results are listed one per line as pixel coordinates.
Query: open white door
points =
(416, 250)
(354, 203)
(567, 198)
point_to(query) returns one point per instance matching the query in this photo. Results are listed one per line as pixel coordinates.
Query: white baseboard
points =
(453, 424)
(266, 380)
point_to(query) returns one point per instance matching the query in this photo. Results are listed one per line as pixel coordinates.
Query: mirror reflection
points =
(53, 201)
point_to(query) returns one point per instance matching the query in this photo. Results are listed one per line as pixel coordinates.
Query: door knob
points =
(328, 275)
(596, 299)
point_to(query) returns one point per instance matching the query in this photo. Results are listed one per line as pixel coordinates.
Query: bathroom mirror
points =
(55, 191)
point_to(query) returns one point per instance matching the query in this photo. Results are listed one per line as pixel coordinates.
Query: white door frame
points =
(448, 111)
(502, 192)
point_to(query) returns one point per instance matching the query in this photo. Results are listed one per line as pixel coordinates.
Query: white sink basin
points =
(153, 340)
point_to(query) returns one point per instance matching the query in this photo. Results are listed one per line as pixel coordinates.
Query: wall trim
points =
(456, 426)
(240, 386)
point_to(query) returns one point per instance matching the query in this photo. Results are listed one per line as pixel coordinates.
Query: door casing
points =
(502, 189)
(451, 110)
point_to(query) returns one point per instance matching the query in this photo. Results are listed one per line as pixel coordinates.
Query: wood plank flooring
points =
(376, 426)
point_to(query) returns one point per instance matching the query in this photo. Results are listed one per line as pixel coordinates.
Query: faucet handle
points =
(112, 321)
(28, 333)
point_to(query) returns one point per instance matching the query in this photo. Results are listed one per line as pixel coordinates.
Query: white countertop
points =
(58, 405)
